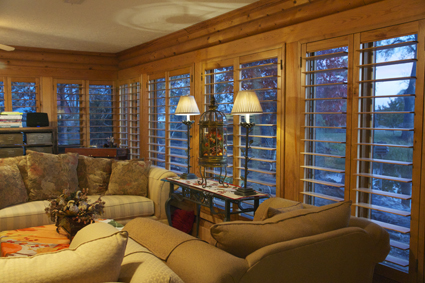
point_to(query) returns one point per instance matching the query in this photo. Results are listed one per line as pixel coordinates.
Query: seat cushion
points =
(24, 215)
(241, 238)
(123, 206)
(89, 262)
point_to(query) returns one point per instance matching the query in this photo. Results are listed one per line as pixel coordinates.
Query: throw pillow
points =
(275, 211)
(89, 262)
(241, 238)
(94, 174)
(49, 174)
(12, 188)
(21, 162)
(129, 178)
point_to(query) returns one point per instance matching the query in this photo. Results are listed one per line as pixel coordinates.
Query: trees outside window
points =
(101, 113)
(69, 113)
(1, 96)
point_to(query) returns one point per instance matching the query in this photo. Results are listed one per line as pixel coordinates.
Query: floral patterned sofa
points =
(130, 189)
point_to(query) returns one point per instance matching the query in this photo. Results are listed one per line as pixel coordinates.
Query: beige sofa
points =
(313, 250)
(122, 208)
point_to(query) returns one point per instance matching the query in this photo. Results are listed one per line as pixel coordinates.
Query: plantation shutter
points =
(134, 120)
(157, 119)
(123, 115)
(101, 113)
(167, 133)
(325, 85)
(218, 81)
(260, 73)
(179, 85)
(386, 142)
(69, 108)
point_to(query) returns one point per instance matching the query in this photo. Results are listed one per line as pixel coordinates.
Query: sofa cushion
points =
(12, 188)
(241, 238)
(89, 262)
(123, 207)
(129, 178)
(261, 212)
(275, 211)
(94, 173)
(49, 174)
(21, 162)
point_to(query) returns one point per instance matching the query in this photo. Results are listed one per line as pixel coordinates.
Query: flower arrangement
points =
(213, 144)
(71, 211)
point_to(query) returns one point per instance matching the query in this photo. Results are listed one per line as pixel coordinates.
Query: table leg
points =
(226, 210)
(168, 206)
(256, 204)
(198, 217)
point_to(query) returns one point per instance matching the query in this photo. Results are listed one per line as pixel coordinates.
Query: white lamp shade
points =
(246, 102)
(187, 106)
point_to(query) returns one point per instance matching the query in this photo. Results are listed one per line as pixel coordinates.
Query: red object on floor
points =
(183, 220)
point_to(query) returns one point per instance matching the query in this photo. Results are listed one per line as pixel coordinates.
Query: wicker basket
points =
(69, 225)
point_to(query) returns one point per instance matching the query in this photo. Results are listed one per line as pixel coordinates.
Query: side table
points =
(193, 192)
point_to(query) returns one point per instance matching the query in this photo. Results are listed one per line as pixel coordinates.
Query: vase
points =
(70, 225)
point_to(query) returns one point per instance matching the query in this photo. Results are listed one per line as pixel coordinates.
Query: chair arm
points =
(159, 191)
(190, 258)
(379, 236)
(342, 255)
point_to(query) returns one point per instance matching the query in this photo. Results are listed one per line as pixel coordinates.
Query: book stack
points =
(10, 120)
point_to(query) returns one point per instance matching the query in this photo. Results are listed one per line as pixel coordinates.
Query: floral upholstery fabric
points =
(50, 174)
(21, 162)
(94, 174)
(12, 188)
(129, 178)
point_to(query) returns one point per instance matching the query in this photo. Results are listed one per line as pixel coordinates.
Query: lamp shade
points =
(187, 106)
(246, 102)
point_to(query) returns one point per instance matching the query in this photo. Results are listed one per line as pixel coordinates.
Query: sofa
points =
(286, 242)
(129, 189)
(309, 246)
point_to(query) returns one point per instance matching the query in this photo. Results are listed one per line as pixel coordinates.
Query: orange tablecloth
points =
(32, 241)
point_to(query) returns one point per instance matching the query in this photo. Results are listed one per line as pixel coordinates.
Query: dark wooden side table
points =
(191, 191)
(116, 153)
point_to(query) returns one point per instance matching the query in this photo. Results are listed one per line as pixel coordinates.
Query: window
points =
(260, 76)
(325, 124)
(101, 113)
(25, 95)
(219, 82)
(69, 113)
(157, 121)
(167, 134)
(2, 96)
(385, 134)
(128, 122)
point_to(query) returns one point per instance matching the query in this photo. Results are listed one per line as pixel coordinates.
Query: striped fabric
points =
(24, 215)
(119, 207)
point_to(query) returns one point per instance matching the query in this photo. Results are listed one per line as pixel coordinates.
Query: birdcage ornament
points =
(212, 143)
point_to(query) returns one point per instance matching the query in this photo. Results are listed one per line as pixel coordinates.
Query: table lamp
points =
(187, 106)
(246, 103)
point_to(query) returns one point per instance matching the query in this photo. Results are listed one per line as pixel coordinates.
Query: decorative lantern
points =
(212, 142)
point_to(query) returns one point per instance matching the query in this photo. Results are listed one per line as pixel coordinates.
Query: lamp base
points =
(189, 176)
(245, 192)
